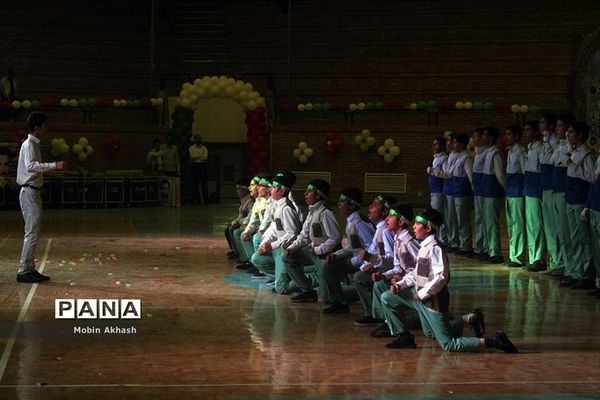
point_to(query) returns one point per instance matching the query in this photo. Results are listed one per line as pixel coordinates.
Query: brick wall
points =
(349, 165)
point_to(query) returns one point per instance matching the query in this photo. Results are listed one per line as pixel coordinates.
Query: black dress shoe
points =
(368, 320)
(307, 296)
(504, 343)
(404, 341)
(29, 277)
(537, 267)
(243, 265)
(583, 285)
(382, 331)
(566, 282)
(593, 293)
(477, 322)
(337, 308)
(39, 275)
(496, 260)
(512, 264)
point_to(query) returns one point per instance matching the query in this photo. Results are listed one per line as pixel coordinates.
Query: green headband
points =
(347, 199)
(394, 213)
(424, 221)
(278, 184)
(256, 179)
(381, 200)
(314, 189)
(264, 182)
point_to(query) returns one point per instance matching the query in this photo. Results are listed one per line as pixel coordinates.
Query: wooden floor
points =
(208, 332)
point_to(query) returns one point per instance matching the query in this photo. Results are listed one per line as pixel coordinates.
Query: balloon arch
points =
(257, 147)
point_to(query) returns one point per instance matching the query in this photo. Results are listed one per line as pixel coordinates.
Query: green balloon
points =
(534, 109)
(477, 105)
(92, 102)
(83, 103)
(358, 139)
(488, 106)
(370, 106)
(326, 106)
(379, 105)
(318, 107)
(431, 104)
(370, 140)
(422, 105)
(364, 147)
(36, 105)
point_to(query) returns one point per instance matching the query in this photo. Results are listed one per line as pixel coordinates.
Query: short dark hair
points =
(494, 133)
(581, 128)
(462, 138)
(515, 129)
(566, 117)
(36, 119)
(535, 125)
(550, 118)
(441, 140)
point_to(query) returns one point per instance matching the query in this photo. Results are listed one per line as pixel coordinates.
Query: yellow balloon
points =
(309, 152)
(248, 87)
(388, 158)
(302, 146)
(515, 108)
(309, 106)
(16, 104)
(296, 153)
(188, 86)
(381, 150)
(64, 102)
(395, 150)
(82, 156)
(115, 102)
(524, 109)
(76, 148)
(459, 105)
(251, 105)
(353, 107)
(301, 107)
(388, 143)
(303, 159)
(413, 106)
(361, 106)
(26, 104)
(83, 141)
(73, 103)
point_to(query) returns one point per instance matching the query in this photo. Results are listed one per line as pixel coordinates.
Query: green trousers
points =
(442, 327)
(480, 242)
(364, 288)
(550, 226)
(451, 222)
(536, 243)
(236, 243)
(379, 288)
(580, 253)
(515, 223)
(562, 228)
(595, 231)
(463, 207)
(331, 279)
(491, 224)
(247, 247)
(301, 266)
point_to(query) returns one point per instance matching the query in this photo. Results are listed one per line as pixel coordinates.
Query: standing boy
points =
(30, 171)
(515, 203)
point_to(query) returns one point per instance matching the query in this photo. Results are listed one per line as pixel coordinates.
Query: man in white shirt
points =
(29, 176)
(198, 159)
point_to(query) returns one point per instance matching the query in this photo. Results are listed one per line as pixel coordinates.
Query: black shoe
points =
(337, 308)
(483, 256)
(496, 260)
(512, 264)
(252, 269)
(243, 265)
(537, 266)
(231, 254)
(465, 253)
(557, 273)
(504, 343)
(29, 277)
(475, 256)
(477, 322)
(594, 293)
(404, 341)
(567, 282)
(382, 331)
(368, 321)
(259, 275)
(39, 275)
(307, 296)
(583, 285)
(285, 292)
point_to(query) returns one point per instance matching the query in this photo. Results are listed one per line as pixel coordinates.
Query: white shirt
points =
(515, 162)
(30, 166)
(412, 247)
(331, 230)
(198, 153)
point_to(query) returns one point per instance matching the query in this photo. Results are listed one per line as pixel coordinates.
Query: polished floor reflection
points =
(208, 332)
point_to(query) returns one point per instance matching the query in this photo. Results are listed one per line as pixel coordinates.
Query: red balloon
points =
(337, 143)
(260, 111)
(51, 103)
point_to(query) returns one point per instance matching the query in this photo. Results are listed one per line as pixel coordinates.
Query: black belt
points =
(31, 187)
